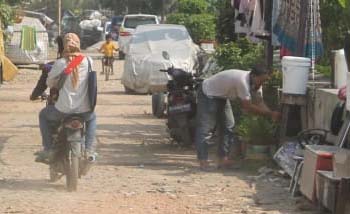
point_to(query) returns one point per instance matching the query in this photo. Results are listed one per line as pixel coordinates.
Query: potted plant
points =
(258, 135)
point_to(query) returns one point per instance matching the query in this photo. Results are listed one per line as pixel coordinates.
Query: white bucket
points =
(348, 91)
(295, 74)
(340, 68)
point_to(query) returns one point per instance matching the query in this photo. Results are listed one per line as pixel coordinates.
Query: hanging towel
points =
(28, 39)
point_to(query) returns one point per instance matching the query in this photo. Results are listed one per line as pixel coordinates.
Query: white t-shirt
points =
(71, 100)
(230, 84)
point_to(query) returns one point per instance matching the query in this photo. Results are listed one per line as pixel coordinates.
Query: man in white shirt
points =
(214, 109)
(73, 96)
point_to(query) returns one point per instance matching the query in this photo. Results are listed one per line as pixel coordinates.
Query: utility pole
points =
(59, 6)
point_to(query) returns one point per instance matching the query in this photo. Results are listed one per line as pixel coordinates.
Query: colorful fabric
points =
(74, 63)
(276, 7)
(293, 28)
(28, 38)
(71, 43)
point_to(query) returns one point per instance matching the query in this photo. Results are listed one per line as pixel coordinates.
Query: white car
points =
(128, 26)
(144, 58)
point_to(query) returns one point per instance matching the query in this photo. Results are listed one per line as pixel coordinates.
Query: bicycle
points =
(107, 66)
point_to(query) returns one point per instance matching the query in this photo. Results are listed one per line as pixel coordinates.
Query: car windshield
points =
(133, 22)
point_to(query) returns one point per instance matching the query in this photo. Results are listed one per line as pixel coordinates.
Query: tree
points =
(335, 23)
(6, 12)
(344, 3)
(138, 6)
(225, 21)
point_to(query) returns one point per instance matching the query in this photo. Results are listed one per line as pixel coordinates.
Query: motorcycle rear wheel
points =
(72, 172)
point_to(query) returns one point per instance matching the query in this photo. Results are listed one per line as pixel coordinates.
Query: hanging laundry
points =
(250, 19)
(28, 38)
(293, 29)
(276, 6)
(313, 47)
(242, 16)
(257, 27)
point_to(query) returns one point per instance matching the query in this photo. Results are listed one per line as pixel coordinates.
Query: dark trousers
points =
(213, 113)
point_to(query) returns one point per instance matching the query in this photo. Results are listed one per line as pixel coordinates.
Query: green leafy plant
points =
(240, 54)
(326, 70)
(270, 89)
(200, 26)
(6, 15)
(177, 18)
(344, 3)
(257, 130)
(193, 6)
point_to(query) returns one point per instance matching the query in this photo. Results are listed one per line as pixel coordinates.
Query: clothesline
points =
(296, 25)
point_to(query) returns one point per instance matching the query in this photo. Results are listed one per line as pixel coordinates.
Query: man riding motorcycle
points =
(73, 97)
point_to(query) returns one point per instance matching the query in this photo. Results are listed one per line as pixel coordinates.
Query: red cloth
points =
(73, 64)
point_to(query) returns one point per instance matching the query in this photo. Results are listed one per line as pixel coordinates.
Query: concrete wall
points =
(321, 103)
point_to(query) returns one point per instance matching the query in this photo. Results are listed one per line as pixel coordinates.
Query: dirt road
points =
(138, 170)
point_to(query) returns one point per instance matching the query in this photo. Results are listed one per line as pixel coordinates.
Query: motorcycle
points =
(181, 104)
(69, 157)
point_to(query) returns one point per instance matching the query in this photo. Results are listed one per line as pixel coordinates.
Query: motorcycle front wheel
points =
(158, 104)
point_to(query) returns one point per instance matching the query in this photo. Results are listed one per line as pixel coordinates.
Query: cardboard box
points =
(341, 163)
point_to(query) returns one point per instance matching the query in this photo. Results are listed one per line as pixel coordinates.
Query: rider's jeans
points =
(213, 113)
(50, 115)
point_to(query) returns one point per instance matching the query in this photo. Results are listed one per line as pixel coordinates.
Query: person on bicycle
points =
(73, 97)
(108, 49)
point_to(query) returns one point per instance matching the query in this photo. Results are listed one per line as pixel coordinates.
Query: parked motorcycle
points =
(181, 104)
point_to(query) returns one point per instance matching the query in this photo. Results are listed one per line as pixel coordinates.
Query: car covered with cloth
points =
(144, 58)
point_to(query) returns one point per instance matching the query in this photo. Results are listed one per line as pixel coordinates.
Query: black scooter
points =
(181, 104)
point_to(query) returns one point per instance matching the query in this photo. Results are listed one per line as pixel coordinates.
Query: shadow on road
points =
(3, 141)
(143, 145)
(29, 185)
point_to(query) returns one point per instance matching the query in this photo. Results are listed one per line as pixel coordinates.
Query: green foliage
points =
(225, 22)
(241, 54)
(192, 6)
(257, 130)
(6, 14)
(270, 89)
(200, 26)
(344, 3)
(177, 18)
(335, 23)
(326, 70)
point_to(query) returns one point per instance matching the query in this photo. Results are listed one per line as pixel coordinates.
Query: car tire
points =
(158, 105)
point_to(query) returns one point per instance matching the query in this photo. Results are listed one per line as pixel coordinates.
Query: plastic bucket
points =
(340, 68)
(295, 74)
(348, 91)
